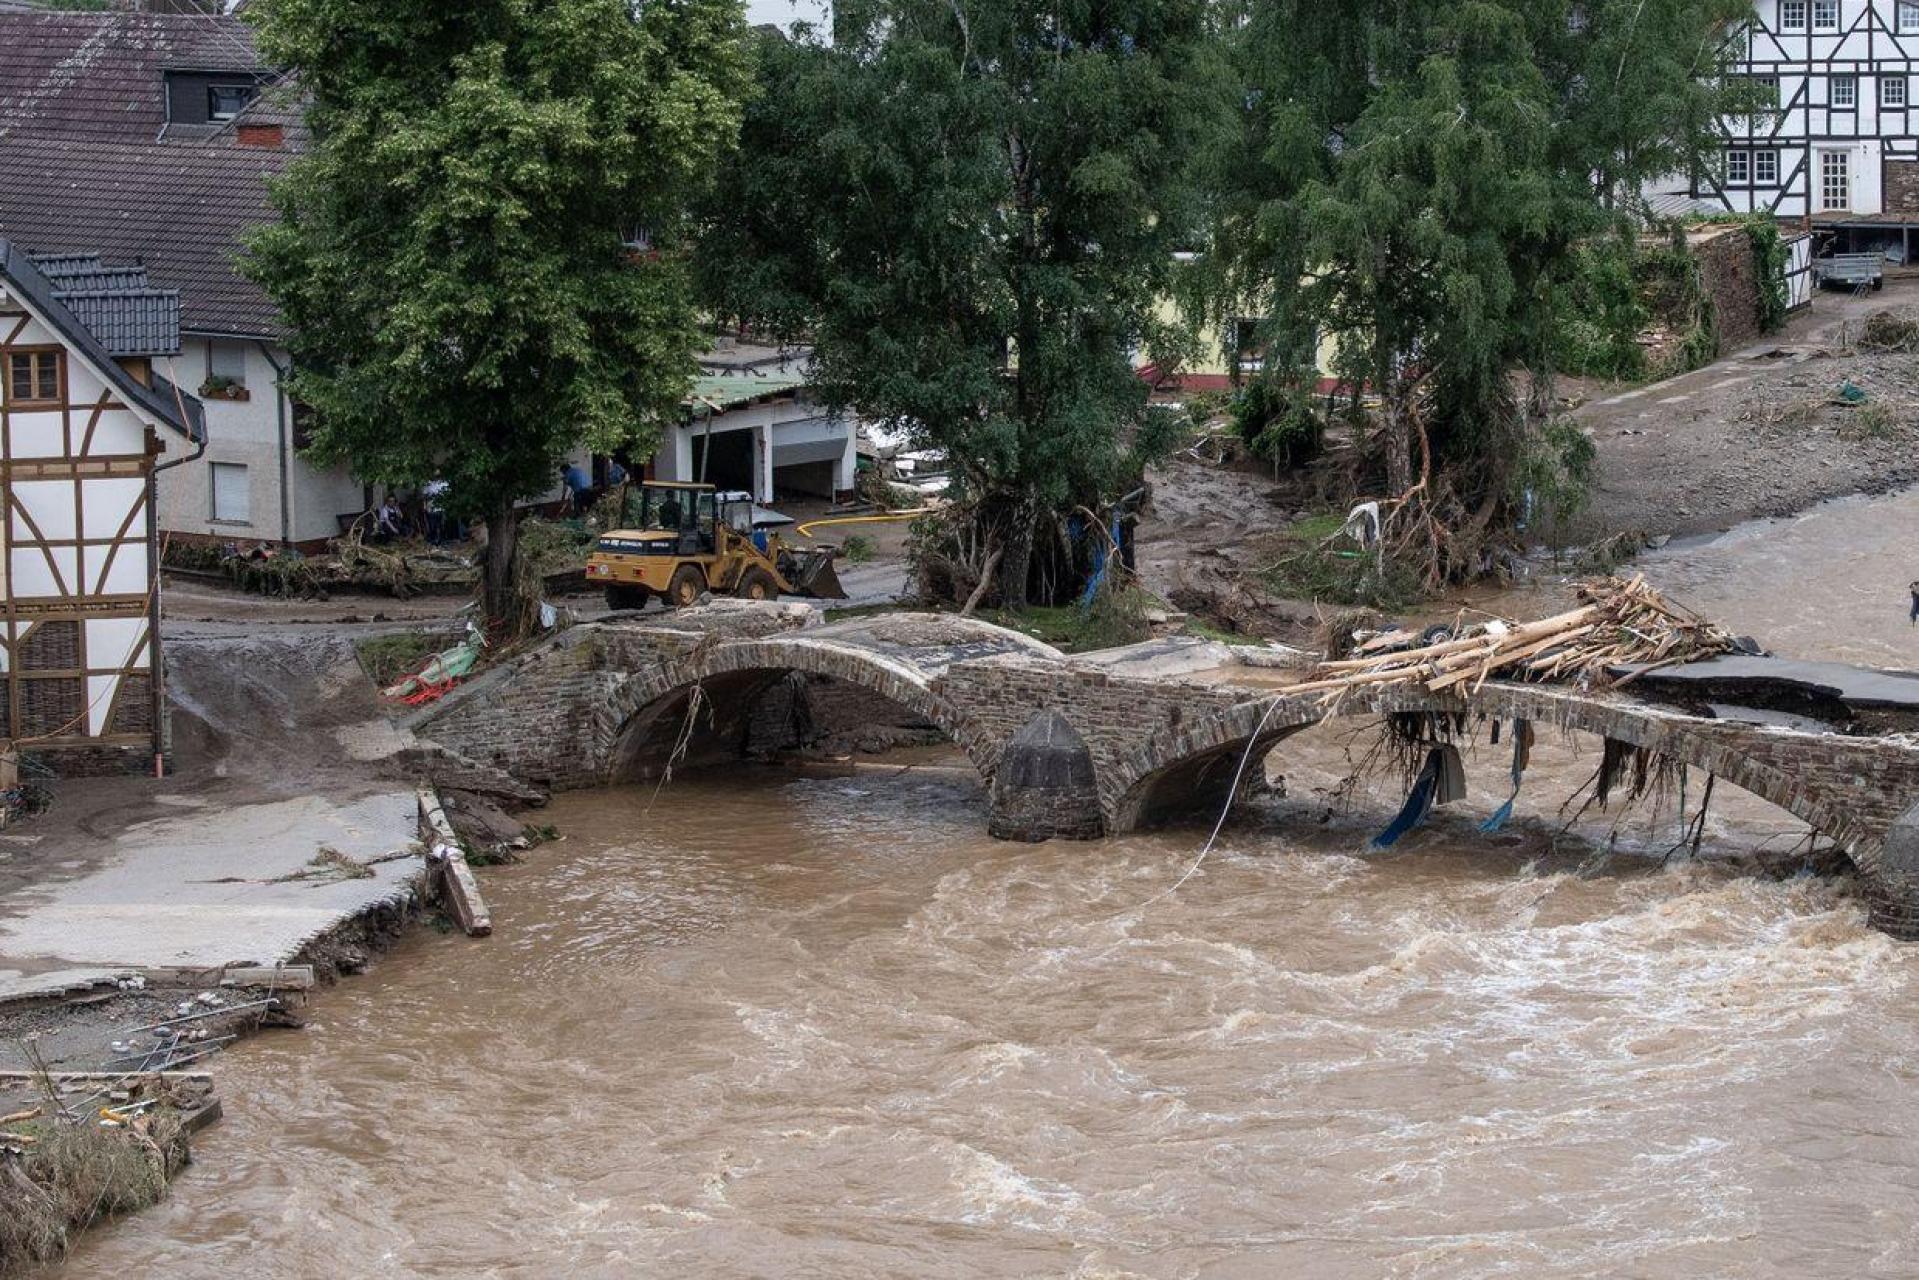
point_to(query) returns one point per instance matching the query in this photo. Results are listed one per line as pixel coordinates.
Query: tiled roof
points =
(116, 304)
(87, 165)
(99, 74)
(129, 322)
(83, 272)
(180, 210)
(162, 400)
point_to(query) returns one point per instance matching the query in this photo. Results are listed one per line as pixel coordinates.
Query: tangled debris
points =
(89, 1149)
(1891, 331)
(1620, 623)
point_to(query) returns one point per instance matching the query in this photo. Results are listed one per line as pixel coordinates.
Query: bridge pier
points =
(1892, 886)
(1046, 786)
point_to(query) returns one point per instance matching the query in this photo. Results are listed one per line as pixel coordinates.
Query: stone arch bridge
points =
(1120, 737)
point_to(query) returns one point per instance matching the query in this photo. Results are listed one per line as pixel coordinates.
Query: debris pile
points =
(1621, 623)
(89, 1147)
(1891, 331)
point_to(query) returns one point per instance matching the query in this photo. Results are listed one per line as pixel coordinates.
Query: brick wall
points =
(1731, 280)
(1902, 186)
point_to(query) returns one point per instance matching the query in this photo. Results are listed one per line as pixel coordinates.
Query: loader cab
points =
(679, 518)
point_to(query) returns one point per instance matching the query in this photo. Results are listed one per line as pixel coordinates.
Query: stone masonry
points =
(604, 702)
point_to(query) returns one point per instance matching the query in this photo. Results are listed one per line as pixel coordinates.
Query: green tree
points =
(477, 258)
(970, 209)
(1414, 179)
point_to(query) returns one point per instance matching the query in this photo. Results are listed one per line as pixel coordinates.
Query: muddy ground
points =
(1756, 434)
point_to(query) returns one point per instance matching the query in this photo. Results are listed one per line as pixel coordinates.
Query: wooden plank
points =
(459, 889)
(284, 977)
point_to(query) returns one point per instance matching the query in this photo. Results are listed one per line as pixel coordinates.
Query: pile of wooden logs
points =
(1620, 623)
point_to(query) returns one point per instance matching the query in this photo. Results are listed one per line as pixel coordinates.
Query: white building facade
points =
(83, 429)
(1843, 138)
(763, 433)
(253, 484)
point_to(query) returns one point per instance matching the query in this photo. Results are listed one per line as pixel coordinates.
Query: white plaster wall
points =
(249, 433)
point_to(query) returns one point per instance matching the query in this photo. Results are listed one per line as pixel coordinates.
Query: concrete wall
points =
(256, 433)
(791, 425)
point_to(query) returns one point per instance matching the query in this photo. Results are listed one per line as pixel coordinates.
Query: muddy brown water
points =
(823, 1027)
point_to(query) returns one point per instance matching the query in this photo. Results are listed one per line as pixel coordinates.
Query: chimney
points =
(272, 136)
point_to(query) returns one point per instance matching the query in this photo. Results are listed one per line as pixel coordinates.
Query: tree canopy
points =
(1412, 182)
(971, 210)
(477, 259)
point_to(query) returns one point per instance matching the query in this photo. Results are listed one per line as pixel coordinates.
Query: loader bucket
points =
(816, 577)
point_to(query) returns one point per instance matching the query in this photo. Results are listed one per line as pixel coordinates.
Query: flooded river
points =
(780, 1027)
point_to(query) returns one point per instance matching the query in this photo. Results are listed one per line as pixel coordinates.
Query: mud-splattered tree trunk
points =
(500, 595)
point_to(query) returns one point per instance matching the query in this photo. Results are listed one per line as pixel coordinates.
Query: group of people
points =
(580, 491)
(392, 521)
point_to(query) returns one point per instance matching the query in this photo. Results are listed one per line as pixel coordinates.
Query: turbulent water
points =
(823, 1027)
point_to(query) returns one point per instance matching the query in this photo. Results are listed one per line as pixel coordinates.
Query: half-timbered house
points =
(1839, 143)
(84, 423)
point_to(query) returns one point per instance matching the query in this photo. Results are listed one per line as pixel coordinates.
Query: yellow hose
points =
(806, 530)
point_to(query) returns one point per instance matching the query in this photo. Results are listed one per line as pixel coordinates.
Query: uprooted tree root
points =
(66, 1177)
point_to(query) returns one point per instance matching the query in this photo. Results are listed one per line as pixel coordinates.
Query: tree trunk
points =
(1016, 565)
(499, 594)
(1399, 446)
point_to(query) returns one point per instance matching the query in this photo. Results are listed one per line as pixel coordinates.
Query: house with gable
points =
(86, 424)
(149, 139)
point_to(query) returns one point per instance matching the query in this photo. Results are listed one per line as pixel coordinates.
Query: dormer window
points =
(225, 101)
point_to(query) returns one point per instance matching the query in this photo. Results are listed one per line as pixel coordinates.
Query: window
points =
(227, 360)
(1792, 15)
(1739, 168)
(1765, 168)
(230, 492)
(33, 377)
(1908, 16)
(225, 101)
(1845, 92)
(1835, 181)
(1825, 15)
(1892, 92)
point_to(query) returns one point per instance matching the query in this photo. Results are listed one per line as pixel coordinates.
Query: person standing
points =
(1914, 588)
(579, 487)
(433, 497)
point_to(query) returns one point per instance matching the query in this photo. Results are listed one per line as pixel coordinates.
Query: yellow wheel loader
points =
(678, 541)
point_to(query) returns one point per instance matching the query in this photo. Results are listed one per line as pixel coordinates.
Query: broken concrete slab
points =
(252, 885)
(1831, 695)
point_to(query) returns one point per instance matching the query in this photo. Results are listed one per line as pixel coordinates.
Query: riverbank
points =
(1754, 436)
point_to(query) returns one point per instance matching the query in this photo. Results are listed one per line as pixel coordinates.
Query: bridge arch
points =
(1175, 763)
(648, 708)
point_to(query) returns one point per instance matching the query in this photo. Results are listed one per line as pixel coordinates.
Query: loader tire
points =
(757, 584)
(685, 588)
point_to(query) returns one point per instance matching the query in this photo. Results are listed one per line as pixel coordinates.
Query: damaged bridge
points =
(1100, 744)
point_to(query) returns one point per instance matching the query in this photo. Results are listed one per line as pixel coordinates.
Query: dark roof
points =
(87, 164)
(129, 322)
(116, 304)
(179, 210)
(162, 400)
(99, 74)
